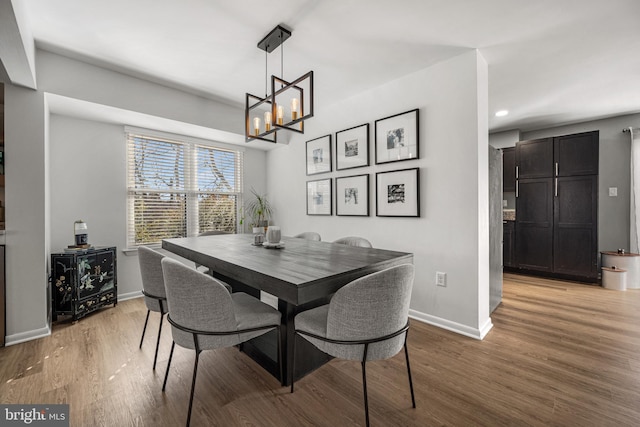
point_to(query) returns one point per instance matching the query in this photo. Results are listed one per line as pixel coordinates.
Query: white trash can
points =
(614, 278)
(625, 261)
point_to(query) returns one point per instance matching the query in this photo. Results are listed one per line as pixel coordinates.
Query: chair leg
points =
(155, 358)
(145, 328)
(406, 353)
(364, 384)
(293, 362)
(280, 352)
(166, 375)
(193, 386)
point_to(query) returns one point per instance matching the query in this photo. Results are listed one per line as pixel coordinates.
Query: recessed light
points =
(502, 113)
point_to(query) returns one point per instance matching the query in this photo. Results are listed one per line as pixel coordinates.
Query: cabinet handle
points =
(517, 172)
(556, 187)
(556, 168)
(517, 187)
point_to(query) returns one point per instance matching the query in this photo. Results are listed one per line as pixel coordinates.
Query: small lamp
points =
(80, 231)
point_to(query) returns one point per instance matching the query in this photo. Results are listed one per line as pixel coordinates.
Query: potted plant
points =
(259, 210)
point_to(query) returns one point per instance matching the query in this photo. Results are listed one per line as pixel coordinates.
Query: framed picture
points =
(319, 197)
(398, 193)
(319, 155)
(397, 137)
(352, 195)
(352, 147)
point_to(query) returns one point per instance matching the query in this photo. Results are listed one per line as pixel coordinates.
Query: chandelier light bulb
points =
(280, 114)
(256, 125)
(294, 108)
(267, 121)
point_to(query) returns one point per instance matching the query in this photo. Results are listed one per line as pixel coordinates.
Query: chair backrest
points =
(371, 307)
(309, 235)
(152, 278)
(196, 301)
(213, 233)
(354, 241)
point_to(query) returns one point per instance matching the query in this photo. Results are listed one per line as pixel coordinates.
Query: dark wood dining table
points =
(303, 274)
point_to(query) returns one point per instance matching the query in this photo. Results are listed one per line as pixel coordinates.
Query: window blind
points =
(179, 188)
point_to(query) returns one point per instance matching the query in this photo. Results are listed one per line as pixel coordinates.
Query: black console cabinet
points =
(83, 281)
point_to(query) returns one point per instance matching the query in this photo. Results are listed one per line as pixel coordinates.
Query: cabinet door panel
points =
(534, 204)
(577, 154)
(509, 169)
(64, 282)
(534, 225)
(576, 226)
(508, 249)
(534, 159)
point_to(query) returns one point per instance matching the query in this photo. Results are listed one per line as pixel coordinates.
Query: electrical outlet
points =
(613, 191)
(504, 204)
(441, 279)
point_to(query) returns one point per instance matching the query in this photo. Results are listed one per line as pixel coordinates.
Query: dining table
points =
(301, 274)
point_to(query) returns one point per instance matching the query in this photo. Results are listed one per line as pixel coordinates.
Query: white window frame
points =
(191, 191)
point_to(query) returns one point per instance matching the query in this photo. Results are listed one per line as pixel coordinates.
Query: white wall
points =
(75, 79)
(26, 241)
(505, 139)
(452, 233)
(47, 188)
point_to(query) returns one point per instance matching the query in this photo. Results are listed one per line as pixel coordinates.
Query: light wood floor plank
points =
(559, 354)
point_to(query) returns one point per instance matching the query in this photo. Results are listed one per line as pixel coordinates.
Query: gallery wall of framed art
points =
(396, 192)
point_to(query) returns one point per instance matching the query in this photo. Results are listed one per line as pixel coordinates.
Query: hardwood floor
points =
(560, 354)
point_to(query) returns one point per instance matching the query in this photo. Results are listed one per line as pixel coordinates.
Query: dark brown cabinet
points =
(575, 222)
(509, 169)
(557, 205)
(534, 159)
(534, 224)
(576, 154)
(508, 242)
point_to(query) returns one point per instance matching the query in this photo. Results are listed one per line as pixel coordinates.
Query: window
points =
(180, 188)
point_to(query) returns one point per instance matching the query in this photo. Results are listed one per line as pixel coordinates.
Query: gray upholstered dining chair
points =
(209, 233)
(367, 319)
(309, 235)
(153, 289)
(205, 316)
(354, 241)
(213, 233)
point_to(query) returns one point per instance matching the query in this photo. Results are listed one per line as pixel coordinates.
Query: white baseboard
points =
(46, 331)
(476, 333)
(129, 295)
(27, 336)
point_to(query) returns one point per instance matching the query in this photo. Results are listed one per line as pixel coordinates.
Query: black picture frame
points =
(352, 195)
(352, 147)
(320, 197)
(318, 155)
(398, 137)
(398, 193)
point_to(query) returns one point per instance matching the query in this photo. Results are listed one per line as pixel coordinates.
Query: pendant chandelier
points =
(288, 105)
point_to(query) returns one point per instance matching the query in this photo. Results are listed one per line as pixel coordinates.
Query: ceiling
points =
(550, 62)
